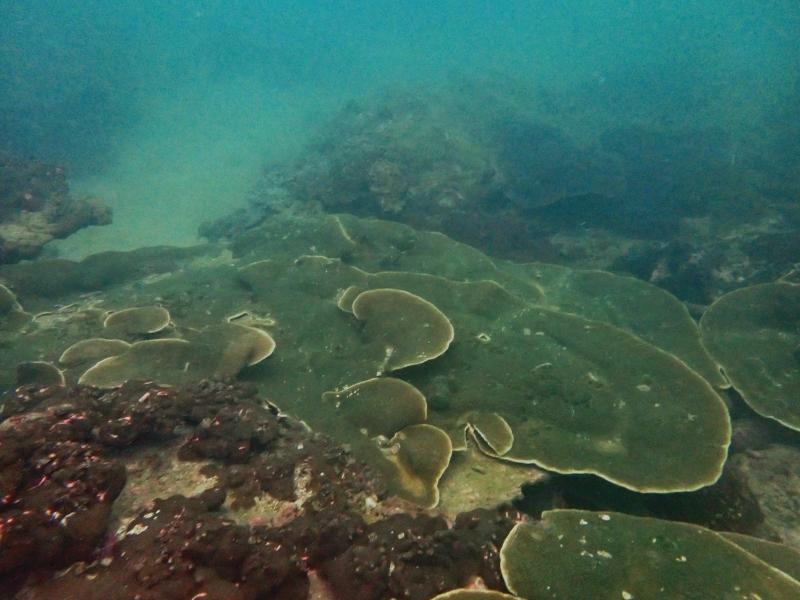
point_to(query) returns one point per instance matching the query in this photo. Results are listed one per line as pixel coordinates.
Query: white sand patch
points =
(192, 158)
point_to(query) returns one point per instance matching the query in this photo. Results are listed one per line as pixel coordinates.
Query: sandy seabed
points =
(190, 159)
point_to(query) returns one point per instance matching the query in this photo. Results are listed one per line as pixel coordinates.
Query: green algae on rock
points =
(466, 594)
(575, 554)
(494, 430)
(56, 277)
(380, 406)
(753, 333)
(166, 361)
(645, 310)
(782, 557)
(12, 317)
(580, 396)
(141, 320)
(217, 351)
(373, 245)
(39, 372)
(585, 397)
(92, 350)
(8, 301)
(420, 454)
(476, 480)
(231, 347)
(408, 329)
(345, 301)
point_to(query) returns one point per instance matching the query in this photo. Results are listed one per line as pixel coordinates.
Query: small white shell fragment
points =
(136, 530)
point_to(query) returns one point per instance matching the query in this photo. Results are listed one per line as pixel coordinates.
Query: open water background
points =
(168, 109)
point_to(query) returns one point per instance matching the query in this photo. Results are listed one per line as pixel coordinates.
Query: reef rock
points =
(35, 208)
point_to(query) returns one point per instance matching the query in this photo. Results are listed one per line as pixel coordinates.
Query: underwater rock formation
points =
(35, 208)
(543, 336)
(57, 489)
(426, 162)
(498, 371)
(61, 473)
(587, 178)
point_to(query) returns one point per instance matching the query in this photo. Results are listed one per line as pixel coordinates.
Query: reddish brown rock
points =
(59, 482)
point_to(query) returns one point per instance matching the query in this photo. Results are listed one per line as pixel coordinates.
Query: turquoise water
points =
(168, 110)
(611, 321)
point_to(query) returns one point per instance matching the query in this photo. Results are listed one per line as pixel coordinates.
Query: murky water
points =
(447, 298)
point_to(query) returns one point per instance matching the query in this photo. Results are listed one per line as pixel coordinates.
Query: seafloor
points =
(290, 478)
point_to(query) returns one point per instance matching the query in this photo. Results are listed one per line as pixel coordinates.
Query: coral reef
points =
(35, 208)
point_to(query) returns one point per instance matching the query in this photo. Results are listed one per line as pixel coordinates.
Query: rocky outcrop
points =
(35, 208)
